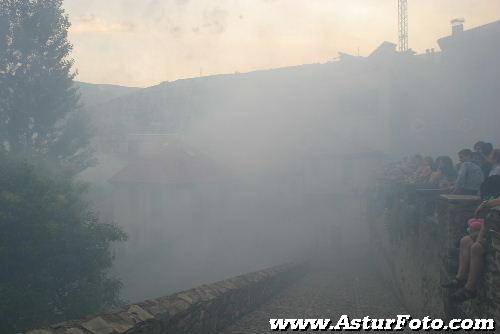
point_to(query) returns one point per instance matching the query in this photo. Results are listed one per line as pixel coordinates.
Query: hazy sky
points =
(144, 42)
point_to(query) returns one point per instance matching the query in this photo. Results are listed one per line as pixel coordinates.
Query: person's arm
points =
(460, 182)
(493, 203)
(435, 176)
(487, 204)
(447, 189)
(481, 237)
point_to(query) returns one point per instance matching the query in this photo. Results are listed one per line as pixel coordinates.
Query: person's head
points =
(474, 226)
(418, 160)
(465, 155)
(445, 165)
(428, 161)
(478, 147)
(439, 161)
(495, 157)
(487, 149)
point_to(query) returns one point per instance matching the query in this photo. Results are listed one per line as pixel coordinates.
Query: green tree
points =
(55, 254)
(40, 115)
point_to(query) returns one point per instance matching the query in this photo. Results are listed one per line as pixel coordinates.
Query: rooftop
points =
(175, 163)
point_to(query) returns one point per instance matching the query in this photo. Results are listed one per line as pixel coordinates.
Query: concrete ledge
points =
(206, 309)
(462, 199)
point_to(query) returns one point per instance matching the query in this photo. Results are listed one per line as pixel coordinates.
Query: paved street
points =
(351, 288)
(348, 285)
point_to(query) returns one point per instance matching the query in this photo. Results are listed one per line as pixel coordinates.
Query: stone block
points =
(153, 307)
(74, 331)
(98, 326)
(206, 293)
(139, 313)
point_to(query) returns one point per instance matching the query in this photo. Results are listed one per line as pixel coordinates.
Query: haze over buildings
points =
(198, 165)
(142, 43)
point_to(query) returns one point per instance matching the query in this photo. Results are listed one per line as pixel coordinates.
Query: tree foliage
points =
(54, 252)
(39, 105)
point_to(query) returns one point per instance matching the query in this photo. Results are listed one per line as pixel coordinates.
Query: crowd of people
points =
(476, 173)
(467, 177)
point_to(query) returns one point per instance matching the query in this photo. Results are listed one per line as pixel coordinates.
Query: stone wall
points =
(206, 309)
(417, 232)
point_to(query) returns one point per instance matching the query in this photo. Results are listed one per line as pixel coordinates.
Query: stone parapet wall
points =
(408, 238)
(206, 309)
(417, 232)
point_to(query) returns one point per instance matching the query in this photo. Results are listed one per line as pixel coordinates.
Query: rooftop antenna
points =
(403, 25)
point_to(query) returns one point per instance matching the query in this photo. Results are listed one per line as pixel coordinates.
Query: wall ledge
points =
(205, 309)
(467, 199)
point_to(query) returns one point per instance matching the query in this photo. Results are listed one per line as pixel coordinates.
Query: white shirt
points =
(495, 170)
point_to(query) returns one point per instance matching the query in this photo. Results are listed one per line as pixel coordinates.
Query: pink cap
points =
(475, 223)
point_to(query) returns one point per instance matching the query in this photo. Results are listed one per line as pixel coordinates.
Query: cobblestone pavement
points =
(350, 287)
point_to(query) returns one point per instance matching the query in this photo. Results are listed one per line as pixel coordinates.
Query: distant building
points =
(481, 41)
(164, 189)
(389, 101)
(165, 199)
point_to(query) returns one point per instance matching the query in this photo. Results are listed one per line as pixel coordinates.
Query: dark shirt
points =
(486, 168)
(480, 160)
